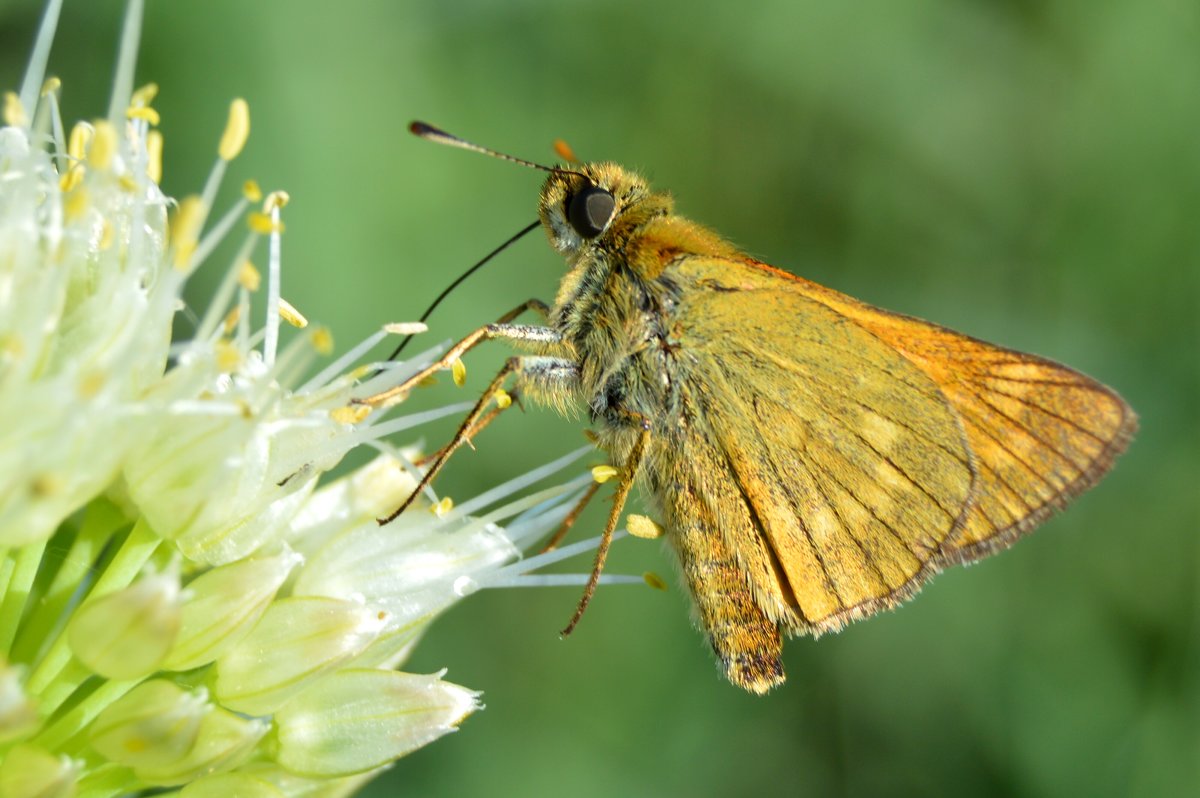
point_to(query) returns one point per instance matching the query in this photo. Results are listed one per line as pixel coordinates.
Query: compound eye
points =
(590, 211)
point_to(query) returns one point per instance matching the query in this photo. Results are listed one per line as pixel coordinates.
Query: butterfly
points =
(812, 459)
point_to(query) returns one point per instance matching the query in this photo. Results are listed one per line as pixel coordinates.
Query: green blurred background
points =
(1027, 172)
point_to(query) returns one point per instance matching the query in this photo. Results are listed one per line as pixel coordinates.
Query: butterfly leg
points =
(532, 337)
(628, 474)
(539, 375)
(475, 429)
(571, 518)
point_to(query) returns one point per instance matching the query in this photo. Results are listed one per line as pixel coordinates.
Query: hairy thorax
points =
(619, 326)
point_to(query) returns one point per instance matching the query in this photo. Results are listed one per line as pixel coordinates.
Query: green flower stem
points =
(72, 674)
(29, 557)
(102, 520)
(7, 566)
(55, 736)
(124, 568)
(107, 781)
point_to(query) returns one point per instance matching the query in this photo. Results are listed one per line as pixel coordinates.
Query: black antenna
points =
(431, 133)
(458, 282)
(439, 136)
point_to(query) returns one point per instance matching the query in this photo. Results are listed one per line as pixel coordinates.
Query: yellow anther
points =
(251, 191)
(91, 383)
(642, 527)
(14, 112)
(350, 415)
(76, 203)
(458, 372)
(263, 224)
(104, 145)
(237, 129)
(71, 179)
(127, 183)
(603, 473)
(185, 229)
(442, 507)
(142, 112)
(426, 382)
(276, 199)
(249, 277)
(44, 485)
(322, 340)
(288, 312)
(654, 580)
(183, 253)
(11, 347)
(228, 357)
(51, 85)
(406, 327)
(154, 147)
(77, 143)
(107, 235)
(503, 399)
(231, 319)
(143, 95)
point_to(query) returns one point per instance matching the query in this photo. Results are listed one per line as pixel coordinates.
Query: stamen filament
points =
(563, 580)
(36, 71)
(218, 232)
(274, 268)
(131, 33)
(517, 483)
(341, 364)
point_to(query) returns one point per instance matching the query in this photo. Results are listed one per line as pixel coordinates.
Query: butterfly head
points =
(594, 204)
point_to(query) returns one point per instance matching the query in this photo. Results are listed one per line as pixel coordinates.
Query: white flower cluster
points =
(180, 605)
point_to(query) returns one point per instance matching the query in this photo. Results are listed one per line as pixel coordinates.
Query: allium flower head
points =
(181, 605)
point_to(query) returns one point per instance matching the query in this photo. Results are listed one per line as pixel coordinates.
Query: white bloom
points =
(180, 603)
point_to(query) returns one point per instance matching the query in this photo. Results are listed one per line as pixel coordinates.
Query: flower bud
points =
(221, 606)
(298, 640)
(153, 725)
(29, 772)
(225, 785)
(223, 742)
(18, 713)
(127, 634)
(357, 720)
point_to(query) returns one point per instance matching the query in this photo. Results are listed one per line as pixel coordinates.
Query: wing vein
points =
(1028, 431)
(976, 424)
(1046, 411)
(894, 465)
(868, 558)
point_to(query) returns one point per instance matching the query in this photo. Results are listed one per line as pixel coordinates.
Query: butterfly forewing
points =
(881, 447)
(853, 470)
(1040, 432)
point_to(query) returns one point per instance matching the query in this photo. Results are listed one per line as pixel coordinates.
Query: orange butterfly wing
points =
(866, 449)
(1041, 433)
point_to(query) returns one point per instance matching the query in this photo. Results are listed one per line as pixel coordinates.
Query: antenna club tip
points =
(418, 128)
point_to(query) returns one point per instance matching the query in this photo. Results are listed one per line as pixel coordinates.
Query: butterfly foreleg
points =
(537, 375)
(527, 336)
